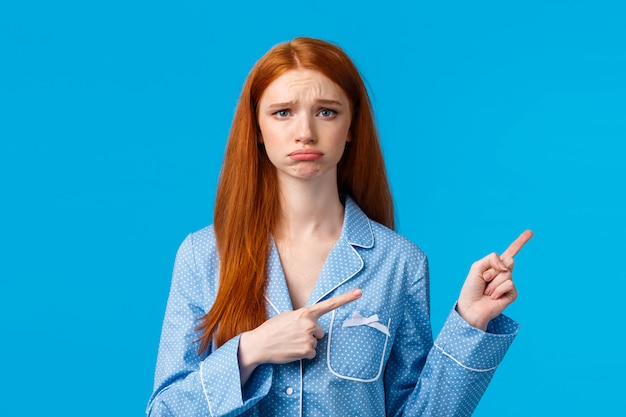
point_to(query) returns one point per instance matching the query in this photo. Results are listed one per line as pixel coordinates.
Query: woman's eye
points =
(327, 113)
(282, 113)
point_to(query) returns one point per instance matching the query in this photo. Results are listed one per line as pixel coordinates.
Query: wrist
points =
(248, 355)
(471, 318)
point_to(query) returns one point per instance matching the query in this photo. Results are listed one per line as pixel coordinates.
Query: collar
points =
(342, 264)
(357, 226)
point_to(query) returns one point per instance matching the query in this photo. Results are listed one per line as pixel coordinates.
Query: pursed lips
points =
(305, 155)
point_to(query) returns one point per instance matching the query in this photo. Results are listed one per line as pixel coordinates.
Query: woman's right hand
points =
(287, 337)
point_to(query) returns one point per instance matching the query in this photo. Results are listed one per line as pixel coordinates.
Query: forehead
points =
(300, 84)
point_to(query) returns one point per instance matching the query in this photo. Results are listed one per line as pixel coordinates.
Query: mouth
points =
(305, 155)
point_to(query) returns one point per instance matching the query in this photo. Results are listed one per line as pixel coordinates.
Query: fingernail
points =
(357, 292)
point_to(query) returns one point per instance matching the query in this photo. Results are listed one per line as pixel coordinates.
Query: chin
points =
(308, 174)
(308, 171)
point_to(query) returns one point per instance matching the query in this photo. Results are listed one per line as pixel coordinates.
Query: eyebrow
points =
(287, 104)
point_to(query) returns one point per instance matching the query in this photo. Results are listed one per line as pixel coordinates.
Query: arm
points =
(459, 367)
(185, 383)
(447, 377)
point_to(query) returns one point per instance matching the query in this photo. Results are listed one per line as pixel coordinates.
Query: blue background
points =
(494, 117)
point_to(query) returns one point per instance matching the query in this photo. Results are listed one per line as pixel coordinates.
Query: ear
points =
(259, 138)
(349, 137)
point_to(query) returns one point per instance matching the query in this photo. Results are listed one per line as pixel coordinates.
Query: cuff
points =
(221, 381)
(472, 348)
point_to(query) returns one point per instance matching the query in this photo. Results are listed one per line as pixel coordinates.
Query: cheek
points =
(271, 140)
(272, 132)
(262, 129)
(267, 138)
(342, 134)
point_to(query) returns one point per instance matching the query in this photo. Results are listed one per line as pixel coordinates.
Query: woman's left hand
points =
(489, 288)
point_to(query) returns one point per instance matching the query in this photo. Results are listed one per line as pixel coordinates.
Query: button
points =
(289, 391)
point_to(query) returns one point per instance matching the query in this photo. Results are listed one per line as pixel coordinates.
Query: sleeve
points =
(449, 376)
(186, 384)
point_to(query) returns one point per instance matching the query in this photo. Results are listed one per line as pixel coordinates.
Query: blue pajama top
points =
(377, 358)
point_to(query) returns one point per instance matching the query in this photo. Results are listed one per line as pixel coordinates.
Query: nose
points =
(306, 130)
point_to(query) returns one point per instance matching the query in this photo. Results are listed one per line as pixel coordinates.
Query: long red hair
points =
(247, 204)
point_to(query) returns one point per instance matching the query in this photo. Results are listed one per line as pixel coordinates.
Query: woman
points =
(321, 308)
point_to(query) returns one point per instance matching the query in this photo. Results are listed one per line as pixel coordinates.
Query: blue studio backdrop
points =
(494, 117)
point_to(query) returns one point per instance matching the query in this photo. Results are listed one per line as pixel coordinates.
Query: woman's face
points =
(304, 119)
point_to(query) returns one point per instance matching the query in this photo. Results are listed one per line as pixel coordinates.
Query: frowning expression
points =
(304, 119)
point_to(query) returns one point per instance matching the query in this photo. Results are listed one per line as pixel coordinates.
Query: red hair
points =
(247, 205)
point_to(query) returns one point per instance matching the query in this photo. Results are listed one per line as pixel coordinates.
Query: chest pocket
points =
(357, 346)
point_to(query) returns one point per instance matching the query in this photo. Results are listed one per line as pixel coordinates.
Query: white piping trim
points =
(204, 390)
(382, 356)
(371, 245)
(272, 304)
(345, 280)
(460, 364)
(301, 389)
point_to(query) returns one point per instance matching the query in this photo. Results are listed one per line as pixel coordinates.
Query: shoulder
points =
(391, 255)
(393, 242)
(199, 247)
(366, 233)
(202, 238)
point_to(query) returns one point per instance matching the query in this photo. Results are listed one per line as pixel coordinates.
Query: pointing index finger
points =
(326, 306)
(517, 244)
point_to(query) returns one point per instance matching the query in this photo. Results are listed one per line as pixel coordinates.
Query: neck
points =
(309, 208)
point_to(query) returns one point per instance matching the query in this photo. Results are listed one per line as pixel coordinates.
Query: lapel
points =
(277, 293)
(343, 262)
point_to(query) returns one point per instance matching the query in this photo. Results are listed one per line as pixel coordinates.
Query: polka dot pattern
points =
(358, 370)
